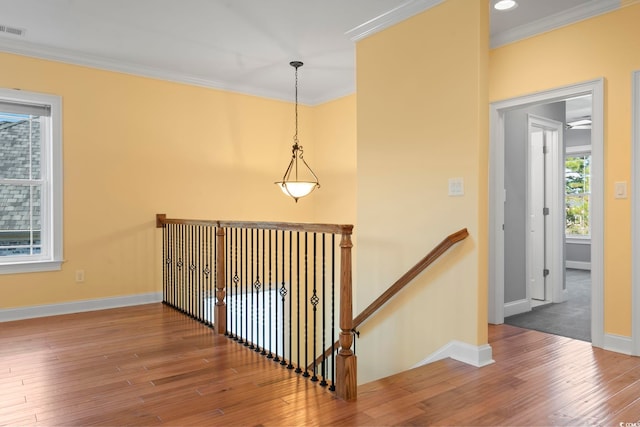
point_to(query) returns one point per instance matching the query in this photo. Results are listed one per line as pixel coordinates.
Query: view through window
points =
(577, 193)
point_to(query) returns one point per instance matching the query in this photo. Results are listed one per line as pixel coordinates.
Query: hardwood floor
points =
(150, 365)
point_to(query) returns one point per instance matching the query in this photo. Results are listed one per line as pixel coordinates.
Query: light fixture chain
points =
(295, 137)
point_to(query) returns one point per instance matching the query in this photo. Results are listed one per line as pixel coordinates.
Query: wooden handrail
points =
(161, 220)
(425, 262)
(442, 247)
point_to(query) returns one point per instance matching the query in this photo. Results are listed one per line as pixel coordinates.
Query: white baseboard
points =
(516, 307)
(478, 356)
(578, 265)
(9, 314)
(618, 343)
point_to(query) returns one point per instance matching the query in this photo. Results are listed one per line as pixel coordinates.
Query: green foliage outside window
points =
(577, 194)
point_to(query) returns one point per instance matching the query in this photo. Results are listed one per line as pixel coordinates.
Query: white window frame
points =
(51, 256)
(572, 152)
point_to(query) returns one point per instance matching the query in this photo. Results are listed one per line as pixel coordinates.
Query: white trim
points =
(30, 267)
(635, 216)
(552, 22)
(578, 149)
(496, 198)
(11, 314)
(406, 9)
(66, 56)
(578, 265)
(577, 240)
(403, 11)
(52, 199)
(477, 356)
(617, 343)
(517, 307)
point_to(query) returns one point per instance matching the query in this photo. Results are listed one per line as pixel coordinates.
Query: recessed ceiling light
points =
(503, 5)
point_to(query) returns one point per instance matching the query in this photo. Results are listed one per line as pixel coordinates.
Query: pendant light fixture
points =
(299, 180)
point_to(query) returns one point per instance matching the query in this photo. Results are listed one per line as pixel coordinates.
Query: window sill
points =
(578, 240)
(30, 267)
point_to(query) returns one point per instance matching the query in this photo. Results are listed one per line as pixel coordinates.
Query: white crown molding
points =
(32, 312)
(405, 10)
(569, 16)
(23, 48)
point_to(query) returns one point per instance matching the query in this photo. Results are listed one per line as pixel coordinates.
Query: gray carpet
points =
(571, 318)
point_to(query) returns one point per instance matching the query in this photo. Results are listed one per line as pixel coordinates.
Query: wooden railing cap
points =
(162, 220)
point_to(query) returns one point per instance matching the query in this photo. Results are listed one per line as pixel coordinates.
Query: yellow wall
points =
(604, 46)
(134, 147)
(422, 117)
(334, 139)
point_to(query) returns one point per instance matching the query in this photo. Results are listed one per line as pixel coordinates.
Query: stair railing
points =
(403, 281)
(243, 278)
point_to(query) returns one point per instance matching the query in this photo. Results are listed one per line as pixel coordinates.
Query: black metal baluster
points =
(164, 264)
(202, 294)
(187, 273)
(185, 269)
(314, 303)
(290, 365)
(228, 280)
(212, 276)
(245, 285)
(257, 285)
(276, 357)
(283, 294)
(270, 311)
(332, 387)
(298, 370)
(180, 269)
(168, 262)
(250, 284)
(236, 280)
(306, 306)
(264, 318)
(172, 266)
(323, 383)
(194, 277)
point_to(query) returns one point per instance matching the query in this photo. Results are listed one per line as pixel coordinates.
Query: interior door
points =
(536, 206)
(545, 209)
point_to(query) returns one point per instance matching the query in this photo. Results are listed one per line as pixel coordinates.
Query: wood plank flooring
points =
(150, 365)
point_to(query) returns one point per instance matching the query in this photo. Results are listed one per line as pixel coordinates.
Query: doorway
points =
(500, 217)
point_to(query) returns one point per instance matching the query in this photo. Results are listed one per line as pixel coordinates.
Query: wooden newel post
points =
(346, 375)
(220, 313)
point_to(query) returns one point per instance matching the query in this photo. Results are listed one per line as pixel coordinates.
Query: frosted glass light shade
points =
(297, 189)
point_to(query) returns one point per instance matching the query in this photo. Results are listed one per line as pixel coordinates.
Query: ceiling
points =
(241, 45)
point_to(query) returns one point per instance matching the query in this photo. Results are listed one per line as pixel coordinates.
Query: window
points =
(577, 169)
(30, 182)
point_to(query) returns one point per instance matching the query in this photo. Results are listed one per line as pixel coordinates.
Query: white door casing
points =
(635, 217)
(497, 197)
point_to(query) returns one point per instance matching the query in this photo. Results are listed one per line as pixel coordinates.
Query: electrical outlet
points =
(79, 276)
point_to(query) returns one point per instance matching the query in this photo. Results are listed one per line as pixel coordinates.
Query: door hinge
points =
(545, 211)
(545, 149)
(545, 272)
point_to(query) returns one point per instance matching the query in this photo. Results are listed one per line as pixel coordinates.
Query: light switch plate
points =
(456, 187)
(621, 190)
